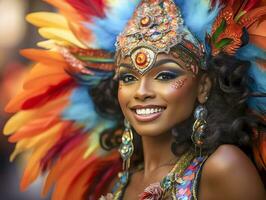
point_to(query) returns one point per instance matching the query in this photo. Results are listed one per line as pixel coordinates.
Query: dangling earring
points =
(199, 126)
(126, 148)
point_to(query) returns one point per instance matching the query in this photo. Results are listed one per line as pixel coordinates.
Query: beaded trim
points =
(167, 184)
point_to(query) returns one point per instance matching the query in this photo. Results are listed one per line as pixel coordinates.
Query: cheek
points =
(178, 84)
(121, 96)
(183, 88)
(181, 96)
(124, 96)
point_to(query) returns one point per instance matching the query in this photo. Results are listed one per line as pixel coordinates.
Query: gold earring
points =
(199, 127)
(126, 148)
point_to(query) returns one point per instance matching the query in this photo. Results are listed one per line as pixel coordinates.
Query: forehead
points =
(128, 60)
(181, 58)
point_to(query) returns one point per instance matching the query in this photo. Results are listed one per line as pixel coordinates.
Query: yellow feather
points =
(90, 150)
(17, 121)
(93, 141)
(47, 44)
(60, 35)
(20, 147)
(21, 118)
(53, 44)
(33, 167)
(112, 2)
(47, 19)
(36, 141)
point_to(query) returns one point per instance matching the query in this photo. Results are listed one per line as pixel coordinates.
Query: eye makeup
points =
(167, 75)
(164, 70)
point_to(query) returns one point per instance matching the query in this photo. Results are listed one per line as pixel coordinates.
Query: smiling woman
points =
(177, 88)
(167, 88)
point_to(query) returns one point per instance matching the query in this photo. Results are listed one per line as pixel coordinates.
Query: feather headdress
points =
(55, 117)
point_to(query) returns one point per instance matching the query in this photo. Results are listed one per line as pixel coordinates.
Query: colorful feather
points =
(47, 19)
(49, 119)
(198, 16)
(219, 31)
(107, 29)
(108, 174)
(63, 146)
(63, 164)
(251, 52)
(80, 102)
(55, 115)
(17, 121)
(88, 8)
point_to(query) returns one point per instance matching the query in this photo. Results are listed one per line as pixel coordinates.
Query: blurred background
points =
(15, 34)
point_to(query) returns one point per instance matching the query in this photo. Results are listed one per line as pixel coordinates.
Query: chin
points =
(151, 130)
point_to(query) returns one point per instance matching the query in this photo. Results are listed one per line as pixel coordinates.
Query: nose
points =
(144, 91)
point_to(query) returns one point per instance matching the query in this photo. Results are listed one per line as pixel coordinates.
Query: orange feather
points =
(259, 41)
(27, 97)
(65, 181)
(262, 64)
(61, 166)
(50, 58)
(32, 170)
(79, 185)
(75, 20)
(39, 124)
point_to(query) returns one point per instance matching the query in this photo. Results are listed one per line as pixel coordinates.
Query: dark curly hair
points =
(228, 121)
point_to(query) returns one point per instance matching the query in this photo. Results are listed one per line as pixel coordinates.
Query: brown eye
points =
(127, 78)
(165, 76)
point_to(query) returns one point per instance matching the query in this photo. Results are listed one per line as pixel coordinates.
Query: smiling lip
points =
(147, 117)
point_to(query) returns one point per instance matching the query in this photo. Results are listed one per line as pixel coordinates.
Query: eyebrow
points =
(158, 63)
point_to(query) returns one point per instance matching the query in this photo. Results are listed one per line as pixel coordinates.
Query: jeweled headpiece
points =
(156, 27)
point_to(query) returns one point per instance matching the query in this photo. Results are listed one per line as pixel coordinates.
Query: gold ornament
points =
(156, 26)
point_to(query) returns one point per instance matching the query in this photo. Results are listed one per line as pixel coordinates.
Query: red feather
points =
(63, 146)
(88, 8)
(108, 176)
(52, 92)
(250, 5)
(104, 169)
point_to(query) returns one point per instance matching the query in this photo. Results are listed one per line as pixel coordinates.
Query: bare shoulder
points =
(227, 158)
(229, 174)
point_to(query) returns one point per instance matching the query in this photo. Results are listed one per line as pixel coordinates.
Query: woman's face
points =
(158, 100)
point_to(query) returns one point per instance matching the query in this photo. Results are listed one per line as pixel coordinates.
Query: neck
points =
(157, 152)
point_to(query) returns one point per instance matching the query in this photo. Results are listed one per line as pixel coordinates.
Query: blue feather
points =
(197, 16)
(82, 111)
(251, 52)
(107, 29)
(196, 13)
(258, 84)
(92, 80)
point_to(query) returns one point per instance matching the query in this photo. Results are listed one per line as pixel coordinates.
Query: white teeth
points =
(148, 111)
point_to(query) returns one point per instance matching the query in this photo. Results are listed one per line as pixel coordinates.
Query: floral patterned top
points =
(187, 188)
(173, 186)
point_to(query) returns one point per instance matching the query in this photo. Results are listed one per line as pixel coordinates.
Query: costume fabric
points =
(185, 187)
(55, 120)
